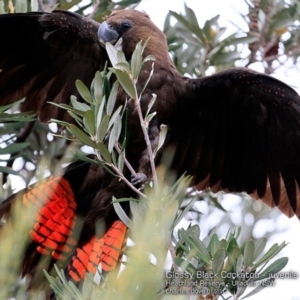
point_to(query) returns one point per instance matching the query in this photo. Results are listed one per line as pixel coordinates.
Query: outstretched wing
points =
(43, 54)
(239, 131)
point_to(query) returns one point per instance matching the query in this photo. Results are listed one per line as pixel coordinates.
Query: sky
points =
(229, 10)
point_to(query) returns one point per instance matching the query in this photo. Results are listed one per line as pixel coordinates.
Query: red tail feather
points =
(55, 204)
(106, 250)
(62, 205)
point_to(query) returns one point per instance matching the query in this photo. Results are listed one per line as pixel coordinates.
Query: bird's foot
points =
(139, 180)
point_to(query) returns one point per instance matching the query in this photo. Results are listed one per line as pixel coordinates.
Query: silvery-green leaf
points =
(84, 91)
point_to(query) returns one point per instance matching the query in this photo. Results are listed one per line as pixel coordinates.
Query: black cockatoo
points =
(237, 130)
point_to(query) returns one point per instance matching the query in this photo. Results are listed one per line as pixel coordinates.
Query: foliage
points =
(272, 39)
(215, 266)
(101, 127)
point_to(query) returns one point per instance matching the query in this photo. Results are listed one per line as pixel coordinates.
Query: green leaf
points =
(7, 170)
(121, 213)
(86, 158)
(100, 113)
(218, 260)
(98, 87)
(123, 66)
(184, 212)
(248, 254)
(112, 98)
(151, 103)
(112, 53)
(104, 152)
(79, 105)
(222, 245)
(34, 5)
(115, 133)
(185, 265)
(13, 148)
(162, 137)
(20, 6)
(121, 161)
(115, 116)
(136, 60)
(85, 139)
(84, 91)
(103, 128)
(267, 256)
(274, 268)
(199, 248)
(89, 122)
(259, 247)
(213, 244)
(259, 288)
(126, 83)
(149, 57)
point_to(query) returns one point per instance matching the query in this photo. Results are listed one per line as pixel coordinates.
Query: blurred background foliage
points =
(272, 40)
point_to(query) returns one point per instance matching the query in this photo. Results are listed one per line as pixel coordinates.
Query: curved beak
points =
(106, 33)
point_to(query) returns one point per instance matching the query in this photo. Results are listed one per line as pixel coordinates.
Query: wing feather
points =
(240, 131)
(43, 55)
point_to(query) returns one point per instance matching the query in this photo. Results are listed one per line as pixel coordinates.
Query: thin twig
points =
(148, 143)
(121, 175)
(127, 163)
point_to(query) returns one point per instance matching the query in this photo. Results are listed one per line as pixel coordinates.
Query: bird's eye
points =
(126, 24)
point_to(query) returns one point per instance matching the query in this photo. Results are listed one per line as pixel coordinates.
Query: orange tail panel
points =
(106, 250)
(55, 204)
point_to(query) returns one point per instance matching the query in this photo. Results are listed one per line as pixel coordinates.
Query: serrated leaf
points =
(84, 91)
